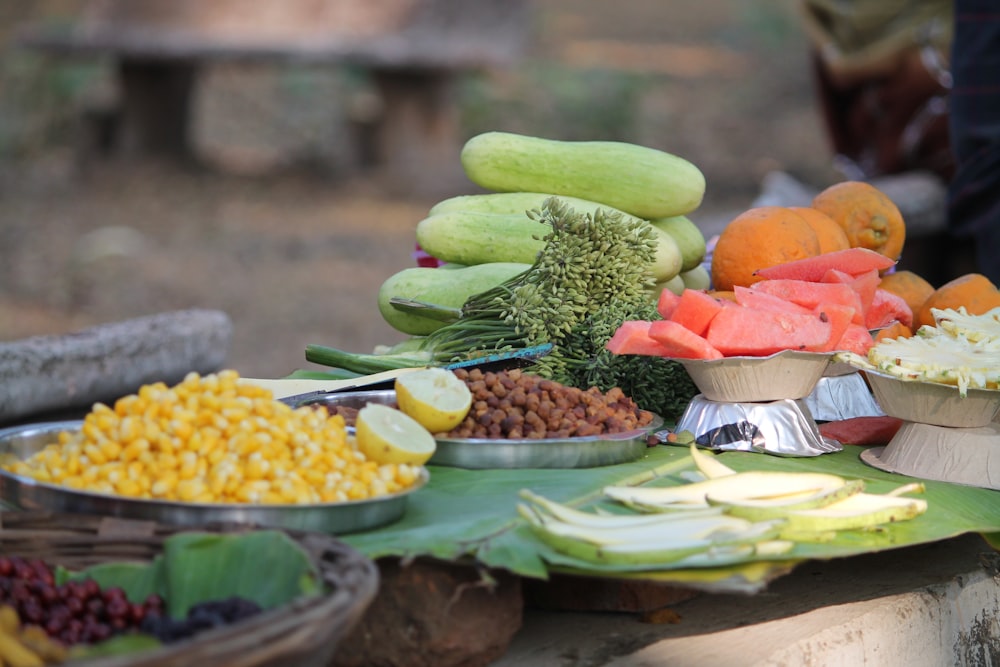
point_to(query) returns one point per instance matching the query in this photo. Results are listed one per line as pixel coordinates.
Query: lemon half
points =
(435, 397)
(387, 435)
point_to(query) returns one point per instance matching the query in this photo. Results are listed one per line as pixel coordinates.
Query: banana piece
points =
(747, 485)
(708, 464)
(775, 508)
(862, 510)
(564, 513)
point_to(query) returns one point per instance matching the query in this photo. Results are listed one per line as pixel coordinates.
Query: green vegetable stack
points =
(588, 266)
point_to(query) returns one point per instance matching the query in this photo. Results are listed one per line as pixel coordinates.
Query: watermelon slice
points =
(887, 308)
(758, 333)
(854, 261)
(856, 339)
(666, 303)
(632, 337)
(839, 317)
(813, 294)
(695, 310)
(864, 284)
(868, 430)
(750, 298)
(680, 342)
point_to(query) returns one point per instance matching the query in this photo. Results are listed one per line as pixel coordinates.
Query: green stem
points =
(366, 364)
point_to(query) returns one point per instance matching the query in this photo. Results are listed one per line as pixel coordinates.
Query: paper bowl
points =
(789, 374)
(932, 402)
(969, 456)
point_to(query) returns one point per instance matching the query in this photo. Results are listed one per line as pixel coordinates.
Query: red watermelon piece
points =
(811, 294)
(857, 339)
(854, 261)
(839, 318)
(864, 284)
(680, 342)
(887, 308)
(758, 333)
(866, 430)
(632, 337)
(666, 303)
(695, 310)
(763, 301)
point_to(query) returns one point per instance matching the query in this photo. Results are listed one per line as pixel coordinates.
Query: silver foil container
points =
(845, 396)
(783, 427)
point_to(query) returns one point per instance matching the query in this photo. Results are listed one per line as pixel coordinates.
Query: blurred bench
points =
(414, 50)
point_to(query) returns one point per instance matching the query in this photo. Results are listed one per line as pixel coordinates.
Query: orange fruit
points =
(974, 291)
(895, 330)
(866, 214)
(909, 286)
(831, 236)
(757, 238)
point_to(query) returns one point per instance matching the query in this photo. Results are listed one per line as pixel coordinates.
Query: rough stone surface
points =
(105, 362)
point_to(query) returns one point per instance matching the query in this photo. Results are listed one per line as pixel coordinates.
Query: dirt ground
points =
(295, 254)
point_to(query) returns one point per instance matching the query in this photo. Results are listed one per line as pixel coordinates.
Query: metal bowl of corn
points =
(21, 492)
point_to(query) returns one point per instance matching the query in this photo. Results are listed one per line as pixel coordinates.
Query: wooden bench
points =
(414, 51)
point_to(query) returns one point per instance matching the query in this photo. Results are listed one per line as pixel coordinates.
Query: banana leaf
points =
(471, 515)
(265, 566)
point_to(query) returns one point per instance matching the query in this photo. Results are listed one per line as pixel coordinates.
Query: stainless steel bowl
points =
(483, 453)
(25, 493)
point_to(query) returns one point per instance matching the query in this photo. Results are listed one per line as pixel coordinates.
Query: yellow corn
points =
(213, 439)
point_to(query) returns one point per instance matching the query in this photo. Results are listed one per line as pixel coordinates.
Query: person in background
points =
(974, 124)
(881, 69)
(909, 86)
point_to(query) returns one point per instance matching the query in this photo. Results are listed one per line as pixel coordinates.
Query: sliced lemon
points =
(435, 397)
(387, 435)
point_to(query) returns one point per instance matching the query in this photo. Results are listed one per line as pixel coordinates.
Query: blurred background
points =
(303, 173)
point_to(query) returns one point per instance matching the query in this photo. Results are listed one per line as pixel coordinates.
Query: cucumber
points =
(494, 227)
(466, 237)
(511, 202)
(446, 288)
(688, 236)
(643, 181)
(675, 285)
(697, 278)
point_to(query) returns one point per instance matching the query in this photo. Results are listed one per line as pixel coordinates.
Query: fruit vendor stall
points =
(593, 409)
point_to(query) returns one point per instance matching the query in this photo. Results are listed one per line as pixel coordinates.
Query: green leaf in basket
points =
(138, 580)
(265, 566)
(118, 645)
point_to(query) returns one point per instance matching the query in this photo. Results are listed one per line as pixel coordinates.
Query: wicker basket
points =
(303, 633)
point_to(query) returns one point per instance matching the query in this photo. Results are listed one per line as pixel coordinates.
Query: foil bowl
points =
(933, 402)
(789, 374)
(967, 456)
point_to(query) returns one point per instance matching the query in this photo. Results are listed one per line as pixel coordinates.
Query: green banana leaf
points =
(265, 566)
(472, 515)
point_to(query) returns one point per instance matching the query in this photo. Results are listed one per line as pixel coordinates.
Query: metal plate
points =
(484, 453)
(29, 494)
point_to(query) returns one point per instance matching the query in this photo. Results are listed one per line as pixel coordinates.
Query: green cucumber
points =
(449, 288)
(688, 236)
(467, 237)
(471, 229)
(643, 181)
